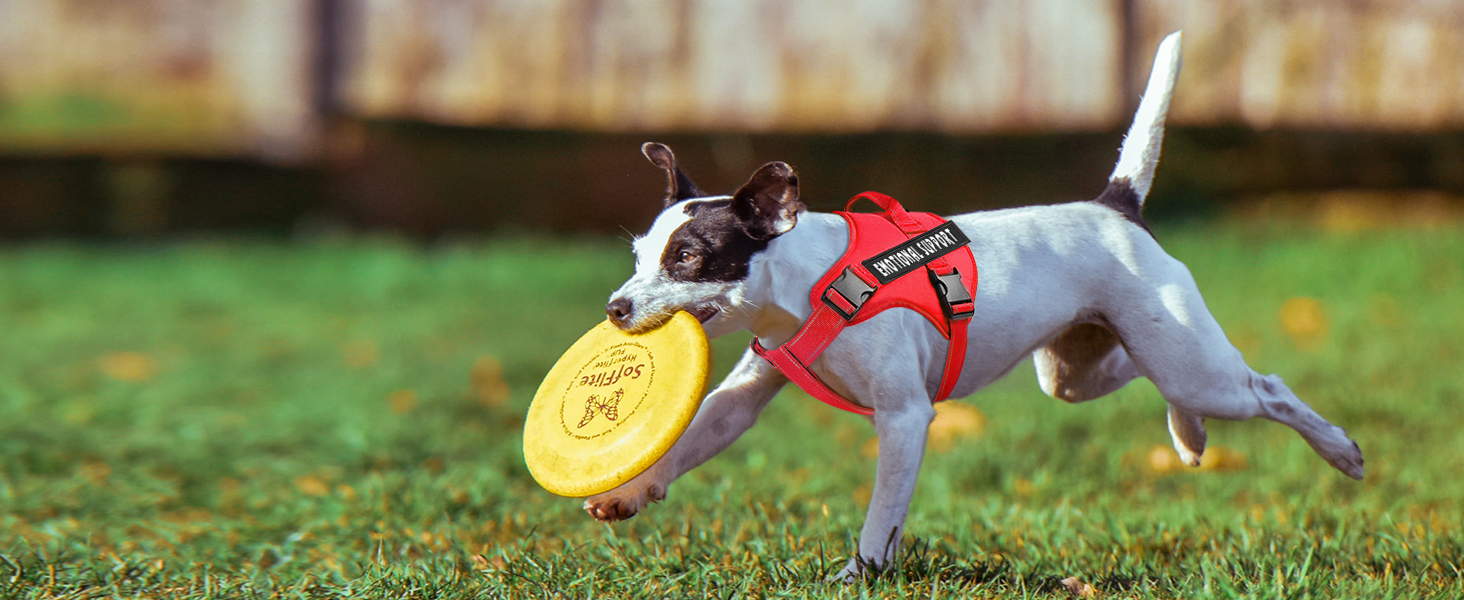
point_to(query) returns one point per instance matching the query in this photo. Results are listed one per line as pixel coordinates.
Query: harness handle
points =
(891, 206)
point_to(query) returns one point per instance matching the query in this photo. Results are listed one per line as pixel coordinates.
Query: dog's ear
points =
(767, 205)
(678, 186)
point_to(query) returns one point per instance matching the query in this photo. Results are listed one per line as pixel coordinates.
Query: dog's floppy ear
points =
(767, 205)
(678, 186)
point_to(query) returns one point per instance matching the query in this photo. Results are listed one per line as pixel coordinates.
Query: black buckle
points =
(852, 289)
(955, 298)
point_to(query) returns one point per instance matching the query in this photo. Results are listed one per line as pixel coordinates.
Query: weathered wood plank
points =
(209, 77)
(760, 65)
(238, 77)
(1371, 64)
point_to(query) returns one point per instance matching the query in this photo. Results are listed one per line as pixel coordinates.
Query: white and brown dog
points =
(1082, 287)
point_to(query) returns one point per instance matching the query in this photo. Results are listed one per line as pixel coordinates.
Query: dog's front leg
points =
(902, 433)
(726, 413)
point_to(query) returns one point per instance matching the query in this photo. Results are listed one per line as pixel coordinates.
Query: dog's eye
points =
(685, 256)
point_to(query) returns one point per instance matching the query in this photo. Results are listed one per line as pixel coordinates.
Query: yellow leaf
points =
(488, 383)
(1078, 588)
(311, 485)
(402, 401)
(1024, 487)
(361, 354)
(129, 366)
(953, 422)
(1220, 458)
(96, 471)
(1304, 321)
(1163, 459)
(870, 449)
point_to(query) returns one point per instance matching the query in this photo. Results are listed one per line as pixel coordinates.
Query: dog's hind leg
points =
(1177, 344)
(724, 416)
(1088, 361)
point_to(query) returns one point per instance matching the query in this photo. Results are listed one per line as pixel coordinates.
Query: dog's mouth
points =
(705, 313)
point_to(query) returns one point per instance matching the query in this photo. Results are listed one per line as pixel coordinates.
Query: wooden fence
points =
(267, 78)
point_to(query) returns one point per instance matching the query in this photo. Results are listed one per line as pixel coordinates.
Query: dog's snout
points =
(619, 310)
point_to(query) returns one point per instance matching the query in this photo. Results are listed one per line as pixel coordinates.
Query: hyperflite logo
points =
(616, 366)
(607, 390)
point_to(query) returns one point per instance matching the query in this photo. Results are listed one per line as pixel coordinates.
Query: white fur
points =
(1141, 146)
(1044, 270)
(655, 296)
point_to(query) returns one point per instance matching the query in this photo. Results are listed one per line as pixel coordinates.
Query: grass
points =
(341, 418)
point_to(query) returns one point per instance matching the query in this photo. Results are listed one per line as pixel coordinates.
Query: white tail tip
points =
(1140, 154)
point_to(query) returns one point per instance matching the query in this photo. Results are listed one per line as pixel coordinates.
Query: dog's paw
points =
(1344, 456)
(624, 502)
(851, 573)
(855, 570)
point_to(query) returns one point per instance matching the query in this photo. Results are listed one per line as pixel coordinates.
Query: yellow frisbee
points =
(613, 404)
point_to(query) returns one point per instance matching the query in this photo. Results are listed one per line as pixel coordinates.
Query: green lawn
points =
(242, 418)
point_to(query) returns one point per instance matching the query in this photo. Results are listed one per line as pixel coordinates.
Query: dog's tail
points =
(1129, 184)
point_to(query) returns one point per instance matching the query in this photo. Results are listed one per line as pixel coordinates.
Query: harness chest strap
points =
(855, 282)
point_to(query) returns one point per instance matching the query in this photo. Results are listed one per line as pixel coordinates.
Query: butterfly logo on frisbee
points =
(610, 407)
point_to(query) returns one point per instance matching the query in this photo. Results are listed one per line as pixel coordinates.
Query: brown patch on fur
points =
(1074, 355)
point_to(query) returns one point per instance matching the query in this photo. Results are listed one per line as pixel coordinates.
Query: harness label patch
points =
(909, 256)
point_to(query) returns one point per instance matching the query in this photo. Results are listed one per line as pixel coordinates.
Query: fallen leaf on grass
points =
(1078, 588)
(129, 366)
(361, 354)
(954, 421)
(96, 471)
(488, 383)
(483, 563)
(312, 485)
(402, 401)
(1304, 321)
(1163, 460)
(1220, 458)
(870, 449)
(1024, 487)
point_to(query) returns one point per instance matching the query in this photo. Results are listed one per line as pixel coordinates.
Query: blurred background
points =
(437, 117)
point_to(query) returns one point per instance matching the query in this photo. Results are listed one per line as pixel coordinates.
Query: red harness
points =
(874, 275)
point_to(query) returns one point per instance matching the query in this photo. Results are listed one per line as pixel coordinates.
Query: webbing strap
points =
(833, 314)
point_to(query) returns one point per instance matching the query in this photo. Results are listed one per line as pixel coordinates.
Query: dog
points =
(1084, 288)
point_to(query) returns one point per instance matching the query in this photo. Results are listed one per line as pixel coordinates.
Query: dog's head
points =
(696, 256)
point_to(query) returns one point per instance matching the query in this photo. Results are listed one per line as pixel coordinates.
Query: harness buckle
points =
(847, 293)
(955, 299)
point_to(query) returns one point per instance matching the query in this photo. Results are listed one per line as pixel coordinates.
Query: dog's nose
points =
(619, 310)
